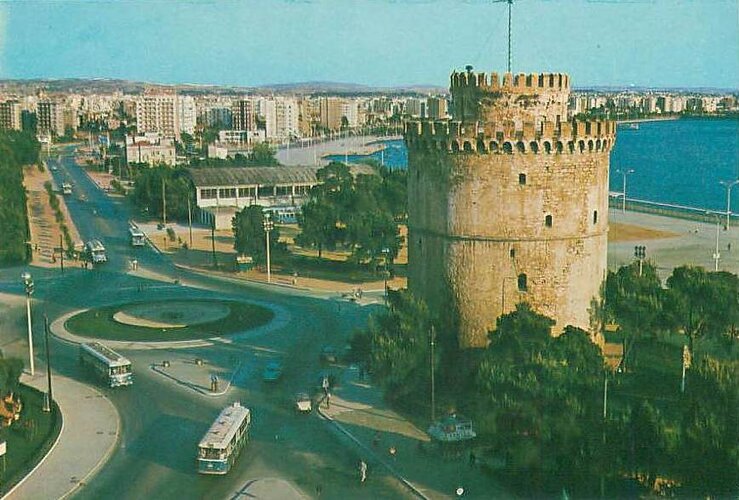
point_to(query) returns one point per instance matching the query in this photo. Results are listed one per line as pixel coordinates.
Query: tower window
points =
(512, 253)
(548, 221)
(595, 216)
(522, 179)
(522, 283)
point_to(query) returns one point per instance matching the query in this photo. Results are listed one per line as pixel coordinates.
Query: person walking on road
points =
(362, 471)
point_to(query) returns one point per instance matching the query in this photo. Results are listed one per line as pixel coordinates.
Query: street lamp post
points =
(432, 342)
(28, 283)
(716, 254)
(624, 173)
(386, 253)
(728, 185)
(268, 227)
(640, 252)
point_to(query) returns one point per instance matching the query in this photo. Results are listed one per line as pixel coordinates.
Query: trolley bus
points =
(112, 368)
(221, 445)
(138, 239)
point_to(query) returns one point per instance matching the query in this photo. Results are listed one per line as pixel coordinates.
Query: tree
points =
(709, 448)
(648, 440)
(249, 237)
(398, 355)
(318, 226)
(701, 304)
(263, 155)
(10, 373)
(147, 193)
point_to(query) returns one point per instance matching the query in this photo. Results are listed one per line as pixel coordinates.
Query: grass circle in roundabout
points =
(168, 321)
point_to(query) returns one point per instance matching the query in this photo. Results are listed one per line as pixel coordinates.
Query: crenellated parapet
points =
(505, 137)
(491, 82)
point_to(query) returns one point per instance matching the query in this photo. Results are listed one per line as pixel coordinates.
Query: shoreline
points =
(653, 119)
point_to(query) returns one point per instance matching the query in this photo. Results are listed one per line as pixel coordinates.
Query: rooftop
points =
(266, 176)
(225, 426)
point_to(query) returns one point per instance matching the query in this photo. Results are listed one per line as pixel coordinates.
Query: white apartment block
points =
(10, 115)
(158, 113)
(50, 118)
(186, 114)
(287, 115)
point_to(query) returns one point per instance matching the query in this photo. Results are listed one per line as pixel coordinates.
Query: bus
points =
(138, 238)
(221, 445)
(95, 252)
(112, 368)
(66, 188)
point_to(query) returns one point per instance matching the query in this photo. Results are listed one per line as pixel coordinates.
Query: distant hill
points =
(106, 86)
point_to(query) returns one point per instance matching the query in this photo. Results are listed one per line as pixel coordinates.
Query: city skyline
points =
(372, 43)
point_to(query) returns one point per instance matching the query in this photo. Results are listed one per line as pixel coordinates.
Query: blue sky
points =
(686, 43)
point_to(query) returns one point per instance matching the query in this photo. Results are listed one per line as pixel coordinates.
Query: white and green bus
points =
(113, 369)
(221, 445)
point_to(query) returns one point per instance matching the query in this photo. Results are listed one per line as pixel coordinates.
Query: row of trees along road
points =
(16, 149)
(360, 213)
(537, 400)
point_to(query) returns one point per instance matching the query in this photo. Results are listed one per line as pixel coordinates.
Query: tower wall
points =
(480, 192)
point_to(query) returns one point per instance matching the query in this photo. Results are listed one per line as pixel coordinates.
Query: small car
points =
(328, 354)
(272, 371)
(303, 403)
(53, 168)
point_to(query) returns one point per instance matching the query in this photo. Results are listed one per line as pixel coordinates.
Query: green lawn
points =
(333, 270)
(99, 324)
(28, 439)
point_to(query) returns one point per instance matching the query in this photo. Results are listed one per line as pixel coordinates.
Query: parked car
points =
(328, 354)
(272, 371)
(303, 403)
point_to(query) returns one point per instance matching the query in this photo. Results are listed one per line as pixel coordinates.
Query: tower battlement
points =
(520, 82)
(576, 136)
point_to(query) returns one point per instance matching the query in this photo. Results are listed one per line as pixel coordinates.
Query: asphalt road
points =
(162, 423)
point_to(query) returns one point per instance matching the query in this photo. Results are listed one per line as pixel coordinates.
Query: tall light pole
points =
(716, 254)
(624, 173)
(728, 185)
(268, 227)
(28, 283)
(432, 342)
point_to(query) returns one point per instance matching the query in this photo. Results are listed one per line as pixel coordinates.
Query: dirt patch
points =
(45, 230)
(627, 232)
(171, 314)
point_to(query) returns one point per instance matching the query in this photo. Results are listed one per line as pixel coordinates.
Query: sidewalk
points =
(88, 437)
(358, 409)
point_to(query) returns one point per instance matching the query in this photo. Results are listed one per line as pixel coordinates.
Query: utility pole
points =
(624, 173)
(433, 382)
(189, 220)
(164, 202)
(716, 254)
(213, 241)
(49, 400)
(61, 252)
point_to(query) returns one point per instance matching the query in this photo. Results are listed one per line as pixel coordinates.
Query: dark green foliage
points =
(16, 149)
(250, 238)
(147, 193)
(709, 451)
(359, 213)
(10, 372)
(396, 346)
(702, 304)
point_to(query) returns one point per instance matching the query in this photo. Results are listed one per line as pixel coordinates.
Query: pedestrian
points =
(376, 439)
(728, 247)
(328, 400)
(325, 385)
(473, 458)
(362, 471)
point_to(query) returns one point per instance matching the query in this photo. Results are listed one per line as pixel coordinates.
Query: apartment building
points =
(157, 112)
(50, 118)
(10, 115)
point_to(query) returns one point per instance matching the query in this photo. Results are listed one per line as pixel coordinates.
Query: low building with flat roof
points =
(222, 191)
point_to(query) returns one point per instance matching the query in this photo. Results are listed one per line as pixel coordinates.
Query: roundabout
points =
(168, 320)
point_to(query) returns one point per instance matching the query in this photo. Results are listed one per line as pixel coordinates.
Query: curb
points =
(111, 449)
(387, 466)
(158, 370)
(43, 459)
(240, 280)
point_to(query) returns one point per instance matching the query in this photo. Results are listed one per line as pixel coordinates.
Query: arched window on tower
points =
(595, 216)
(522, 179)
(523, 284)
(548, 221)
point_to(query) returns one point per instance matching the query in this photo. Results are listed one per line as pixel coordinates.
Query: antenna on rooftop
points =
(510, 8)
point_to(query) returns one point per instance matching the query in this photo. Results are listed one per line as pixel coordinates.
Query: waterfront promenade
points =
(314, 154)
